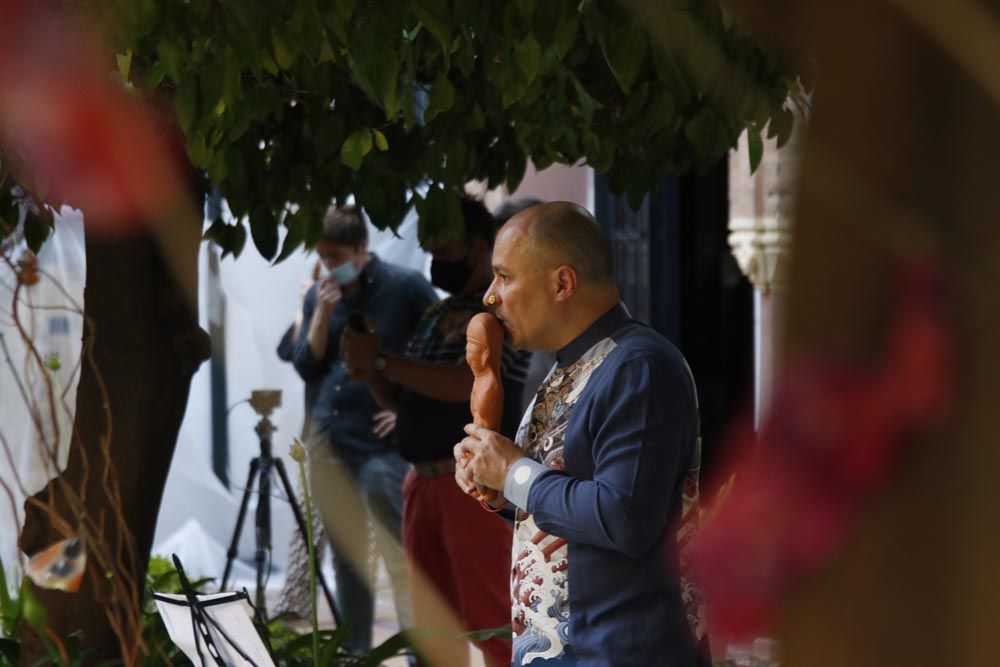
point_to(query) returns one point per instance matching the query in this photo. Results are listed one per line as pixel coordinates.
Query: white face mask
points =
(345, 274)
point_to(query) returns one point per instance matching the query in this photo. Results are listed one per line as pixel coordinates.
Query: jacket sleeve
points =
(308, 367)
(286, 346)
(643, 428)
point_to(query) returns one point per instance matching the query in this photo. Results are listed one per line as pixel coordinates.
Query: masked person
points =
(351, 455)
(461, 549)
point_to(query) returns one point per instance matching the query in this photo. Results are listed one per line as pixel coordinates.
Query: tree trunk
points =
(146, 348)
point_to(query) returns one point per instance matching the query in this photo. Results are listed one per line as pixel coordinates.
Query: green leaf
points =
(376, 68)
(32, 610)
(264, 230)
(154, 76)
(356, 147)
(380, 141)
(440, 218)
(566, 37)
(516, 167)
(442, 97)
(755, 147)
(37, 228)
(172, 57)
(390, 647)
(503, 632)
(624, 52)
(528, 55)
(587, 103)
(124, 61)
(527, 8)
(285, 51)
(296, 226)
(11, 650)
(781, 125)
(435, 17)
(185, 104)
(231, 77)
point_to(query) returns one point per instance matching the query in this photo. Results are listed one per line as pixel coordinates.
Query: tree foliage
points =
(286, 106)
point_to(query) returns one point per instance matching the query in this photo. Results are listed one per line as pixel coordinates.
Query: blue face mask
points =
(345, 274)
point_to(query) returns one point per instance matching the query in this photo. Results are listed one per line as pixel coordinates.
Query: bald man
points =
(598, 468)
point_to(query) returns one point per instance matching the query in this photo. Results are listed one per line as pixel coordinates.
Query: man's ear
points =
(565, 281)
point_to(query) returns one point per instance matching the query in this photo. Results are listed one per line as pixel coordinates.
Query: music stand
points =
(228, 640)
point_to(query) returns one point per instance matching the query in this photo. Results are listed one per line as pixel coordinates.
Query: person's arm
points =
(328, 295)
(642, 434)
(286, 347)
(384, 392)
(309, 367)
(643, 437)
(442, 382)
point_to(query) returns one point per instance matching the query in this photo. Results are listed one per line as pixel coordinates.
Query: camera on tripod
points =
(264, 401)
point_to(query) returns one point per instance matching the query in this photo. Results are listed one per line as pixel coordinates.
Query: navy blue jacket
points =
(628, 445)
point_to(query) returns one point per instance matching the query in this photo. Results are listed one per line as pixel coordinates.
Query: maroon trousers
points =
(464, 552)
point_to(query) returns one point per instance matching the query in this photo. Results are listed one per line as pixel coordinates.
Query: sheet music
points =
(235, 619)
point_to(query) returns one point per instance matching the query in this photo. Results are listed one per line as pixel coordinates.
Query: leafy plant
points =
(286, 106)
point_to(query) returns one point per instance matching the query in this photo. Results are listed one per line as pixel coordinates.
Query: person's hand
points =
(385, 423)
(328, 295)
(358, 350)
(463, 474)
(304, 287)
(485, 456)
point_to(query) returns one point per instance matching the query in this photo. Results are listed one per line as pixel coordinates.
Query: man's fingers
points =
(478, 431)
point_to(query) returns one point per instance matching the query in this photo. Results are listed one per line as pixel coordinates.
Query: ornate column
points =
(760, 235)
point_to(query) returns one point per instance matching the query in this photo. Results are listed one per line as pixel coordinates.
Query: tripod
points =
(264, 466)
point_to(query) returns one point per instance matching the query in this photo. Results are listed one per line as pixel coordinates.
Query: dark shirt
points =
(428, 429)
(628, 443)
(286, 352)
(394, 299)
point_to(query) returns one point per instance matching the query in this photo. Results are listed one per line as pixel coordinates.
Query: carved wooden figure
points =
(483, 348)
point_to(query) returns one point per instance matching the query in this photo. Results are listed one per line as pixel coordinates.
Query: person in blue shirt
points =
(598, 469)
(350, 451)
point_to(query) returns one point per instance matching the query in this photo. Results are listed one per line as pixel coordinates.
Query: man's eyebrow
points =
(499, 268)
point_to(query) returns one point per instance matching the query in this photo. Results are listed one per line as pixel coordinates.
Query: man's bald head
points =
(565, 233)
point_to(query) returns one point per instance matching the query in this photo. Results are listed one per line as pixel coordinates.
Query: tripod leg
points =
(300, 521)
(263, 528)
(231, 554)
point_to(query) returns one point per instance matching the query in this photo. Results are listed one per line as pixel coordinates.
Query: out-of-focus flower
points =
(75, 135)
(831, 441)
(297, 451)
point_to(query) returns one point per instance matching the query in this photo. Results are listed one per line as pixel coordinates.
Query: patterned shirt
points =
(610, 462)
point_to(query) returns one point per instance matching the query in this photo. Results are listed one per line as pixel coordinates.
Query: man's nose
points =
(491, 299)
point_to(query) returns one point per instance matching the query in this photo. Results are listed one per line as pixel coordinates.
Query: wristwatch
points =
(378, 364)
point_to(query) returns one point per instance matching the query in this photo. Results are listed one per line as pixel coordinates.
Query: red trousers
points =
(464, 553)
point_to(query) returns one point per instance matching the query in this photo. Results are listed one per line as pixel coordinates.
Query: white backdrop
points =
(47, 314)
(197, 513)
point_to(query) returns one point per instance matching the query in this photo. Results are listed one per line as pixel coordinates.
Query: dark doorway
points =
(677, 273)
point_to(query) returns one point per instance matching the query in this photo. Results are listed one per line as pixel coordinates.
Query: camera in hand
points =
(264, 401)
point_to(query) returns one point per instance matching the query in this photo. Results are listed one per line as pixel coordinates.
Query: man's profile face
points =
(521, 288)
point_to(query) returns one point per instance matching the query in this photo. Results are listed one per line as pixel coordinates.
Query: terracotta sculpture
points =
(483, 347)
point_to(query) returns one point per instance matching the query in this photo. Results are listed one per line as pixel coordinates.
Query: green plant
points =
(298, 454)
(23, 607)
(286, 106)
